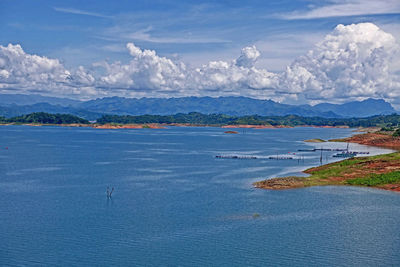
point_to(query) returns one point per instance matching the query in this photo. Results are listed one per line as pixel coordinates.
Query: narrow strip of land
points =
(381, 171)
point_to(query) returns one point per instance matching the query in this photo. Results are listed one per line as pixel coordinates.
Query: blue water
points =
(175, 204)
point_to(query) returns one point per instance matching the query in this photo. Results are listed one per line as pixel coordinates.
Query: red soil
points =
(129, 126)
(254, 126)
(375, 139)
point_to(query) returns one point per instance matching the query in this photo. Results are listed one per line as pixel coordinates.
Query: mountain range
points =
(16, 104)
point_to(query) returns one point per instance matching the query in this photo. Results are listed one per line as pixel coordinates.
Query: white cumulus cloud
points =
(352, 62)
(21, 72)
(238, 76)
(153, 73)
(248, 57)
(145, 71)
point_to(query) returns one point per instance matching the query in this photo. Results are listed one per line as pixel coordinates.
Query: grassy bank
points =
(382, 171)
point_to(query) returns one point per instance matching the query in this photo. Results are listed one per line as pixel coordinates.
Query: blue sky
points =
(88, 32)
(80, 32)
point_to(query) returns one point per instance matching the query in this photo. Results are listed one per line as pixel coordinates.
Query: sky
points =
(293, 52)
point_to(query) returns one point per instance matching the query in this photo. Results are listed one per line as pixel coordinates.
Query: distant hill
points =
(45, 118)
(15, 105)
(16, 110)
(21, 100)
(366, 108)
(235, 106)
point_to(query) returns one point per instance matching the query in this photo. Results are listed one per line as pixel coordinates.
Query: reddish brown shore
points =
(128, 126)
(374, 139)
(163, 126)
(255, 126)
(340, 173)
(48, 124)
(325, 126)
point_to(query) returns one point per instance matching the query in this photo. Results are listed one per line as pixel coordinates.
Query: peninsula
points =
(381, 171)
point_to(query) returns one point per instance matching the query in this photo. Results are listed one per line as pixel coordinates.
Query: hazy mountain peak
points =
(229, 105)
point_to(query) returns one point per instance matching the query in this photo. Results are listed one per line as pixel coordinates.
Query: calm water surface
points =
(175, 204)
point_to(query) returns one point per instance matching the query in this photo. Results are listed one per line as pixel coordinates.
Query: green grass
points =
(354, 171)
(377, 179)
(338, 169)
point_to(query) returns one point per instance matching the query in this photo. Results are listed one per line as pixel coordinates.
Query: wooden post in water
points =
(109, 193)
(320, 158)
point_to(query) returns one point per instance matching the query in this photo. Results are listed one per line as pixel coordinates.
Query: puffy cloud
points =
(22, 72)
(146, 71)
(149, 71)
(248, 57)
(351, 62)
(18, 67)
(238, 76)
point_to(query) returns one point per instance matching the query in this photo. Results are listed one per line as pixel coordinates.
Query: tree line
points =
(195, 118)
(220, 119)
(45, 118)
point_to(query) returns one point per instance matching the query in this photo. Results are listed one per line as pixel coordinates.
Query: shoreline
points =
(381, 171)
(373, 139)
(164, 126)
(369, 138)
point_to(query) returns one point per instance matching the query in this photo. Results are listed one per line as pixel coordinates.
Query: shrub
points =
(377, 179)
(396, 133)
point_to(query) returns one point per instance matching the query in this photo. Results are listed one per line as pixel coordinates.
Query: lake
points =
(175, 204)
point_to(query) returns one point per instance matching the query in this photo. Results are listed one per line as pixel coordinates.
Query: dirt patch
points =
(375, 139)
(129, 126)
(280, 183)
(391, 187)
(249, 126)
(342, 172)
(316, 140)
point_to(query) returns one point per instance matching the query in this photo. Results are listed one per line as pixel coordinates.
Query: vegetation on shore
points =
(196, 118)
(44, 118)
(369, 171)
(387, 122)
(396, 133)
(381, 171)
(377, 179)
(379, 138)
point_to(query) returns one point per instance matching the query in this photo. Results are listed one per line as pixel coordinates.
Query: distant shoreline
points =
(382, 171)
(195, 119)
(341, 175)
(165, 125)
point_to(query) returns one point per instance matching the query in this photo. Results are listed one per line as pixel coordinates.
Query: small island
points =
(381, 171)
